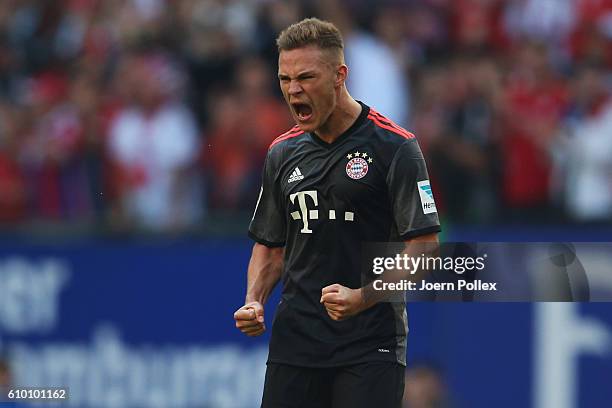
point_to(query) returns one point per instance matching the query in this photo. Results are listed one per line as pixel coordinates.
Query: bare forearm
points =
(413, 248)
(264, 271)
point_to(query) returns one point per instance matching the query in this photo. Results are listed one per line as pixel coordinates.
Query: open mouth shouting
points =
(303, 111)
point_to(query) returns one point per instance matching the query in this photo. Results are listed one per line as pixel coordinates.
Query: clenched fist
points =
(341, 302)
(250, 319)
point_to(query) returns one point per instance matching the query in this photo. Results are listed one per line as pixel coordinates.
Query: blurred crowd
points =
(156, 114)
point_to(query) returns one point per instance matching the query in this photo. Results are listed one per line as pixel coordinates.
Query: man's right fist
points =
(250, 319)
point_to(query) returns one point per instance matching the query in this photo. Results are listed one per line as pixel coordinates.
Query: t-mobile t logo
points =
(305, 214)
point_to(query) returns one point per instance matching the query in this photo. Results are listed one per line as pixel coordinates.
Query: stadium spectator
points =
(94, 110)
(586, 153)
(153, 143)
(535, 98)
(52, 152)
(389, 92)
(227, 154)
(465, 153)
(255, 92)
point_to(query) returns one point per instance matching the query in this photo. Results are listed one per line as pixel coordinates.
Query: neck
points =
(344, 115)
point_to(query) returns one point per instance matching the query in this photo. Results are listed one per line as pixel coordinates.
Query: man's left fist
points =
(341, 302)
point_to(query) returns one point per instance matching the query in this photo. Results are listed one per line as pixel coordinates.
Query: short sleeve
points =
(268, 225)
(412, 201)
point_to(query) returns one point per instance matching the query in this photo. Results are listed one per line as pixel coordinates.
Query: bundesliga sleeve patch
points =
(427, 200)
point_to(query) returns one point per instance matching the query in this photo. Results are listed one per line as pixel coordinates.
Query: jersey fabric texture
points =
(322, 201)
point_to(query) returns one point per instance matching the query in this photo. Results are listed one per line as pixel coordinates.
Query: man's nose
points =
(294, 88)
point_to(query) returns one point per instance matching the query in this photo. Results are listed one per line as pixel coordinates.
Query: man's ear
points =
(341, 75)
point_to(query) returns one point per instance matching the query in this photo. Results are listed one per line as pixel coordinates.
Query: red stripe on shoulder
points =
(391, 123)
(293, 129)
(403, 133)
(386, 121)
(293, 132)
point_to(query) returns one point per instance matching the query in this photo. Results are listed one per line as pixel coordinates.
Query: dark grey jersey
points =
(322, 202)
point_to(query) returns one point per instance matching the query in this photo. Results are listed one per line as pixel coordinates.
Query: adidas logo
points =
(296, 175)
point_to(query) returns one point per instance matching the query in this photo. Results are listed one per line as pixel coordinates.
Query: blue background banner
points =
(150, 325)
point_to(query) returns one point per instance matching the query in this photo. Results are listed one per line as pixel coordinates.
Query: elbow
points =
(275, 253)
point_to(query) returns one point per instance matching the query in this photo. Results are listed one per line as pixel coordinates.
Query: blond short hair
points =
(312, 31)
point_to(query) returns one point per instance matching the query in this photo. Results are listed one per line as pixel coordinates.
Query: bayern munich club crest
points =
(358, 165)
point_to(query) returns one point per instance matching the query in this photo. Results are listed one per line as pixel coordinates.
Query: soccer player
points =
(344, 175)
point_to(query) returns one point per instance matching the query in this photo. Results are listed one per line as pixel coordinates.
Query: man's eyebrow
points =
(300, 75)
(306, 73)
